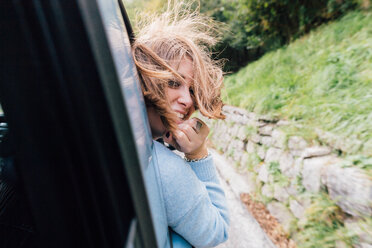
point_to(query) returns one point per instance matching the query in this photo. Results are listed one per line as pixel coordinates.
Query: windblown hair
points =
(162, 42)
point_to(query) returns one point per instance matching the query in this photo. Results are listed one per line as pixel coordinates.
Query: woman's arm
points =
(194, 200)
(206, 173)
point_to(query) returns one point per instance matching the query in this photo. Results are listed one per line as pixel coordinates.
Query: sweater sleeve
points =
(195, 203)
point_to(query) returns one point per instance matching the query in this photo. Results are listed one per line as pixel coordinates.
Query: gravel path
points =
(244, 231)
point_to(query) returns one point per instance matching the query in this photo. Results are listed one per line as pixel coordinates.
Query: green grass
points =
(278, 176)
(323, 225)
(322, 80)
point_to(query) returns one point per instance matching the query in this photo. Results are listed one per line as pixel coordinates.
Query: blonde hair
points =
(165, 40)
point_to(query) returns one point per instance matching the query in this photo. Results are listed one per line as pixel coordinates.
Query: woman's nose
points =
(185, 97)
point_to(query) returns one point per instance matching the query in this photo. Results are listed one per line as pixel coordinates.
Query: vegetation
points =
(253, 27)
(322, 80)
(362, 162)
(278, 176)
(323, 225)
(134, 6)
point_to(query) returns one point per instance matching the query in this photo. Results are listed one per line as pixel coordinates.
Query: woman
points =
(179, 77)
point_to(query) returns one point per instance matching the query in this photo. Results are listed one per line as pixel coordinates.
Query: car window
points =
(120, 47)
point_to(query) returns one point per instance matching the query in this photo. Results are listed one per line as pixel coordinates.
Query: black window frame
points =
(70, 158)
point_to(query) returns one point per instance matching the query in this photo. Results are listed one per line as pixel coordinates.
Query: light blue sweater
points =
(195, 203)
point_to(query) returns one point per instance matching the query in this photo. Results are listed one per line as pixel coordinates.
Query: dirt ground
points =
(270, 225)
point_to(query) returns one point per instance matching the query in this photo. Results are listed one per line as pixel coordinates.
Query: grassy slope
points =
(322, 80)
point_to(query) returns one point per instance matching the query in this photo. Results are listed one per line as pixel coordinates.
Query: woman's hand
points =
(190, 138)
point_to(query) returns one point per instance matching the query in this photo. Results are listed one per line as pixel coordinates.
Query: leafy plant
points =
(362, 162)
(322, 224)
(321, 81)
(253, 27)
(256, 26)
(279, 178)
(300, 187)
(252, 160)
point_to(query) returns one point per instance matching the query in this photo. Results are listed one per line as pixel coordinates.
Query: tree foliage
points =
(258, 26)
(253, 27)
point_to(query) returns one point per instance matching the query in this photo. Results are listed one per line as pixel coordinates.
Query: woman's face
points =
(179, 96)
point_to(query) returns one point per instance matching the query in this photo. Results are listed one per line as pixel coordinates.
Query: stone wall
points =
(289, 172)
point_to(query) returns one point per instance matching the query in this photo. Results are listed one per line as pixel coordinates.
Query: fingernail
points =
(167, 134)
(198, 125)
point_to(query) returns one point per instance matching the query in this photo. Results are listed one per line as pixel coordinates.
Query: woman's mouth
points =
(181, 116)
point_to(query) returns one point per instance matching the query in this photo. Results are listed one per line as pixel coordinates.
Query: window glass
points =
(131, 91)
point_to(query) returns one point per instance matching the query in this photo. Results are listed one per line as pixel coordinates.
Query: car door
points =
(82, 145)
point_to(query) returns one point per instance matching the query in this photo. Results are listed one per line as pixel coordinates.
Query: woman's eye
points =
(191, 91)
(173, 84)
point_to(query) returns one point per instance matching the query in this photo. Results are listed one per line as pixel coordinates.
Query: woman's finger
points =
(189, 131)
(187, 138)
(182, 140)
(197, 131)
(200, 127)
(170, 139)
(190, 135)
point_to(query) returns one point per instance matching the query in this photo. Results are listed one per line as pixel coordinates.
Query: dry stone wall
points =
(288, 170)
